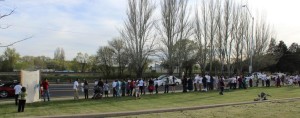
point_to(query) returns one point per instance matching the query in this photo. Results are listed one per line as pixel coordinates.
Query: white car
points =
(161, 80)
(258, 74)
(276, 75)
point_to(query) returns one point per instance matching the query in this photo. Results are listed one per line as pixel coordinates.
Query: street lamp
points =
(251, 43)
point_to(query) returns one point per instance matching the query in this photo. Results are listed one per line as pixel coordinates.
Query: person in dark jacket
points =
(190, 84)
(204, 81)
(184, 84)
(221, 85)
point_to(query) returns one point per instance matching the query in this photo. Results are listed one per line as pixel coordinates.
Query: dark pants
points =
(123, 92)
(166, 89)
(141, 90)
(21, 105)
(86, 94)
(234, 85)
(46, 93)
(268, 83)
(184, 88)
(221, 90)
(262, 82)
(114, 92)
(156, 89)
(299, 83)
(16, 98)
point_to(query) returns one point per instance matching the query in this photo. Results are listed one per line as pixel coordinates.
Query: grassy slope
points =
(147, 102)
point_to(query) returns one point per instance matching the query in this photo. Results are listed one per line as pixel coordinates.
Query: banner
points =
(31, 80)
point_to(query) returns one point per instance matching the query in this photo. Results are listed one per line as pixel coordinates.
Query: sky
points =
(85, 25)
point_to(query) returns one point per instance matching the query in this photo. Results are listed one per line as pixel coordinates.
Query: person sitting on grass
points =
(262, 96)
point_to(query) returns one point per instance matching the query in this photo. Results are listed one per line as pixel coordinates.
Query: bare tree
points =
(104, 59)
(120, 55)
(175, 27)
(227, 26)
(59, 57)
(212, 28)
(138, 33)
(201, 34)
(82, 59)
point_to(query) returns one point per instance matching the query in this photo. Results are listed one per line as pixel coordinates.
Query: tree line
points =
(214, 34)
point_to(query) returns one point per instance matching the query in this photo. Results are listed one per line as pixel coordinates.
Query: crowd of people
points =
(139, 87)
(203, 83)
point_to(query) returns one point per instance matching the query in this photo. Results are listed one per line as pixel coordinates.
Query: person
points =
(151, 86)
(167, 85)
(268, 82)
(114, 84)
(262, 96)
(184, 84)
(250, 82)
(132, 87)
(123, 87)
(221, 85)
(75, 88)
(118, 87)
(22, 100)
(278, 82)
(156, 87)
(17, 88)
(190, 84)
(282, 80)
(240, 80)
(128, 88)
(45, 85)
(106, 88)
(141, 86)
(195, 83)
(211, 86)
(173, 84)
(204, 81)
(96, 82)
(257, 80)
(86, 90)
(208, 82)
(137, 91)
(263, 79)
(234, 82)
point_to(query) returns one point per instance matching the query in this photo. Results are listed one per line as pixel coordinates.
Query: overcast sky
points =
(84, 25)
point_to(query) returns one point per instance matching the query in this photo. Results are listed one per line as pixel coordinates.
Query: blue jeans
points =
(46, 92)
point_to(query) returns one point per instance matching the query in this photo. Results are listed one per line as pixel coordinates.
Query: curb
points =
(127, 113)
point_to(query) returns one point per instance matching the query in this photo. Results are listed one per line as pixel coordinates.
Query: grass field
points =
(170, 100)
(279, 109)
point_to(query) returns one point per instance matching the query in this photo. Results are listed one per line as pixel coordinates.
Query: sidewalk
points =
(116, 114)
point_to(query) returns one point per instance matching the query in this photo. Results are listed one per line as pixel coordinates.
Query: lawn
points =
(277, 109)
(170, 100)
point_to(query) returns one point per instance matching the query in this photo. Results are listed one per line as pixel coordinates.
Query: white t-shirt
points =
(208, 78)
(141, 83)
(114, 84)
(75, 85)
(17, 89)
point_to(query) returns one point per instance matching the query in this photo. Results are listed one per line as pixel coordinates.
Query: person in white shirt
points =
(17, 88)
(196, 82)
(141, 86)
(75, 87)
(114, 84)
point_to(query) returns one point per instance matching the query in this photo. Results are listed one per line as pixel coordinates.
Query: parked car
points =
(276, 75)
(258, 74)
(161, 80)
(7, 90)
